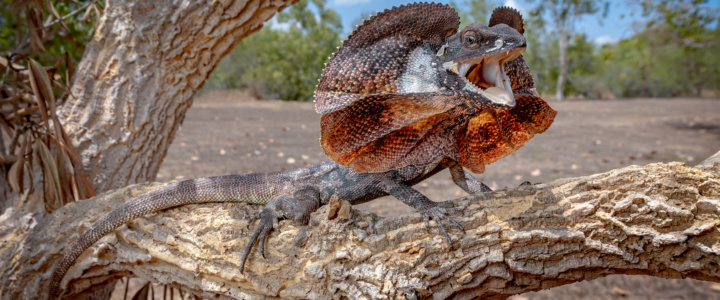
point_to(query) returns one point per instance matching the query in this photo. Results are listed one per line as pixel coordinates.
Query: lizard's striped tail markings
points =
(258, 188)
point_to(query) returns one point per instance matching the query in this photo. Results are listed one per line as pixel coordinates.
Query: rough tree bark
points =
(139, 74)
(660, 220)
(137, 79)
(131, 91)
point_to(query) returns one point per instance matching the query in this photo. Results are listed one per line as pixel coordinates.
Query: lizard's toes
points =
(268, 220)
(439, 213)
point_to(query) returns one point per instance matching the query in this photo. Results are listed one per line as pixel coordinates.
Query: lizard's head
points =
(477, 53)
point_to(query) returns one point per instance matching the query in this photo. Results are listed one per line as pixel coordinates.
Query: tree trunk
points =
(645, 69)
(563, 38)
(137, 79)
(660, 220)
(138, 76)
(131, 90)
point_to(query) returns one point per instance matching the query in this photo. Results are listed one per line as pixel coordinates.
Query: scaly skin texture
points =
(391, 139)
(290, 194)
(389, 98)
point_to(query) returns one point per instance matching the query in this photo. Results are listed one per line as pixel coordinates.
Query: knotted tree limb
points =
(660, 220)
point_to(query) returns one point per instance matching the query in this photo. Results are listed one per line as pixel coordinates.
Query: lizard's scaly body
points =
(385, 131)
(260, 188)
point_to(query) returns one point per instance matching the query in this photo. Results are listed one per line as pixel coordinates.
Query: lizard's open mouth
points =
(486, 75)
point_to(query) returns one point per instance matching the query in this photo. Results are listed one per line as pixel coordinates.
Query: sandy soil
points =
(227, 133)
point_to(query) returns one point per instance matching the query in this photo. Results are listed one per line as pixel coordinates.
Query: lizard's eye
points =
(470, 39)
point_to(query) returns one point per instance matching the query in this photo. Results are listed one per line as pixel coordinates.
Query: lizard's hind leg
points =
(305, 200)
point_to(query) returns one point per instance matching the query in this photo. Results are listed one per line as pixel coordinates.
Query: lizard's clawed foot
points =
(268, 220)
(439, 212)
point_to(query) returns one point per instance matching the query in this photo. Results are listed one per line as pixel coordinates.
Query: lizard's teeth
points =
(506, 80)
(499, 80)
(502, 91)
(491, 71)
(463, 68)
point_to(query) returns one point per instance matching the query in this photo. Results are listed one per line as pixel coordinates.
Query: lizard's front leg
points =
(305, 200)
(428, 208)
(466, 181)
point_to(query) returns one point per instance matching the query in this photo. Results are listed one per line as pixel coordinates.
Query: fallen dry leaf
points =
(619, 291)
(715, 287)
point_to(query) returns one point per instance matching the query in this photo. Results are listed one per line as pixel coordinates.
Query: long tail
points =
(257, 188)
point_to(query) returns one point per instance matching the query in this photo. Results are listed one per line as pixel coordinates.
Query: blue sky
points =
(610, 29)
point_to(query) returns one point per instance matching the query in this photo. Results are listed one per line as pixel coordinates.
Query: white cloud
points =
(605, 39)
(349, 2)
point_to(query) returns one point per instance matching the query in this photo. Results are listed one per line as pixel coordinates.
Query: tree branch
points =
(660, 220)
(148, 52)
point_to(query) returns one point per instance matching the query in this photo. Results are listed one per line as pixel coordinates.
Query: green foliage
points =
(678, 32)
(474, 11)
(8, 27)
(623, 68)
(563, 14)
(286, 60)
(583, 62)
(69, 37)
(541, 53)
(675, 54)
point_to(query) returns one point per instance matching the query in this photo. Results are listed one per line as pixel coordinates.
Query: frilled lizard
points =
(406, 96)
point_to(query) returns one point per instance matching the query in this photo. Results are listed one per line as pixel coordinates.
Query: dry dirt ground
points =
(227, 132)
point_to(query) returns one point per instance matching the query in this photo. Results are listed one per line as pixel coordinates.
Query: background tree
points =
(683, 29)
(563, 14)
(283, 60)
(474, 11)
